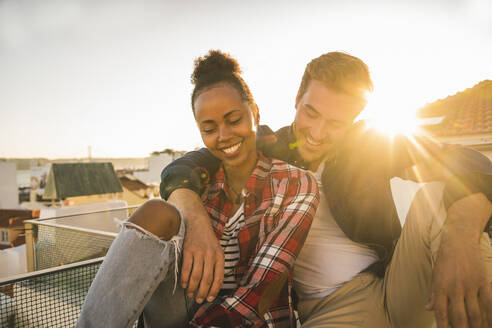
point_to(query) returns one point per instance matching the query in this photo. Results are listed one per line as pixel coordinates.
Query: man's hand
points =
(461, 292)
(202, 270)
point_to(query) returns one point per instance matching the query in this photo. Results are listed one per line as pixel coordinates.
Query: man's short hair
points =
(338, 71)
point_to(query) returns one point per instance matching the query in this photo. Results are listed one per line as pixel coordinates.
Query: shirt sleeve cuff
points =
(181, 177)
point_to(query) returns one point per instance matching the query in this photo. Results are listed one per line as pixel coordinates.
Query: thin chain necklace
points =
(237, 197)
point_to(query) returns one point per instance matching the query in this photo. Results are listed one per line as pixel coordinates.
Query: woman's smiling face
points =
(226, 124)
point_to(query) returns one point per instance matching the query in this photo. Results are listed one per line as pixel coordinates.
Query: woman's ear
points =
(256, 114)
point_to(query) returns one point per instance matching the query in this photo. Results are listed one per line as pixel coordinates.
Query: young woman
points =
(260, 210)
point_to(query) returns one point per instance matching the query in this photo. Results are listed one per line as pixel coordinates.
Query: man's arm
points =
(460, 286)
(194, 170)
(461, 289)
(463, 170)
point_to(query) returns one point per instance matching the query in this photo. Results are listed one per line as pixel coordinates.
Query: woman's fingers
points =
(457, 312)
(441, 310)
(473, 310)
(218, 278)
(202, 257)
(196, 275)
(485, 300)
(206, 279)
(186, 268)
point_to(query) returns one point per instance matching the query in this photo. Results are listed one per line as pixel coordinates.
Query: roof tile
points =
(467, 112)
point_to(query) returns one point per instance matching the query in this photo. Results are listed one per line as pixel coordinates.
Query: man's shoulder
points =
(284, 132)
(363, 142)
(281, 144)
(266, 137)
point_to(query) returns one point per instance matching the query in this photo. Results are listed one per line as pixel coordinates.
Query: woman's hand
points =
(202, 270)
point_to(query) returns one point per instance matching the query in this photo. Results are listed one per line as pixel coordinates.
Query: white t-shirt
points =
(328, 258)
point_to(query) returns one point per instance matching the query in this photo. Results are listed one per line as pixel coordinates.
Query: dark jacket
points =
(357, 181)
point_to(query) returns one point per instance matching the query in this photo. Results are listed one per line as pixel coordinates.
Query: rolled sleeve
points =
(192, 171)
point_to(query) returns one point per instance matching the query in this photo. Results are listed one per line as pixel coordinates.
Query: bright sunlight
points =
(390, 116)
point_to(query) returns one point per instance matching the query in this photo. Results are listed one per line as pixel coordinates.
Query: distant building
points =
(157, 161)
(82, 183)
(464, 118)
(12, 226)
(9, 197)
(136, 192)
(39, 177)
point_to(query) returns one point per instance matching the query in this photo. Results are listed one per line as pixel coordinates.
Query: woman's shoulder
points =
(283, 170)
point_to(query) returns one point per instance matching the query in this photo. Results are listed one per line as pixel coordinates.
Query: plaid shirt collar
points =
(254, 185)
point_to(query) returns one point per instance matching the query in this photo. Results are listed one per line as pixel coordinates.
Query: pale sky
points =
(115, 74)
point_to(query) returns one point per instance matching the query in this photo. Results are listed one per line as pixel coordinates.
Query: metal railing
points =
(46, 298)
(63, 255)
(61, 240)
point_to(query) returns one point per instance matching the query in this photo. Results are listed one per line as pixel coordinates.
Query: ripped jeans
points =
(139, 274)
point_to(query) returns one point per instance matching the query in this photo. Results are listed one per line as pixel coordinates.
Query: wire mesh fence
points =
(74, 238)
(66, 253)
(49, 298)
(58, 246)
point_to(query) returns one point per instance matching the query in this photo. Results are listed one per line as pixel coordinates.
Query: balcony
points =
(63, 255)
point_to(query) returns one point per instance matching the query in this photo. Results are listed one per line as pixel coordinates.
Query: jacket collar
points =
(287, 147)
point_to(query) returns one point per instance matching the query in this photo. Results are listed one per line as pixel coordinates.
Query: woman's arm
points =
(290, 217)
(182, 181)
(202, 268)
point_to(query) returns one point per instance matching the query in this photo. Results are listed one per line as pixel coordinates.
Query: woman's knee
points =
(158, 217)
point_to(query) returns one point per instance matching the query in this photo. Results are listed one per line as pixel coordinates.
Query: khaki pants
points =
(399, 299)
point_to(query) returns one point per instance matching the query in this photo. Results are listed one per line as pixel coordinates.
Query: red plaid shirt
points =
(279, 206)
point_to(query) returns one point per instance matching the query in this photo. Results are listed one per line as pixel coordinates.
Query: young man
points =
(358, 267)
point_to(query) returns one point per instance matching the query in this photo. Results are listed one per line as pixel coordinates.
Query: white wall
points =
(49, 212)
(403, 193)
(9, 195)
(100, 221)
(156, 164)
(13, 261)
(481, 141)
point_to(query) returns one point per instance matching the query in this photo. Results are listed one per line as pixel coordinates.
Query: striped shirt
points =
(230, 246)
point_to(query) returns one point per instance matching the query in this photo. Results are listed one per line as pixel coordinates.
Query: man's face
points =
(322, 118)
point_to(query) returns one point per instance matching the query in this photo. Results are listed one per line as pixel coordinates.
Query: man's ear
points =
(298, 98)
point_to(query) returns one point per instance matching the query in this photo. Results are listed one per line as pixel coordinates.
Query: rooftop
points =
(11, 217)
(132, 183)
(468, 112)
(81, 179)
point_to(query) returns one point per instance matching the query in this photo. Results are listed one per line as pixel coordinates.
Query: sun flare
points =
(394, 124)
(390, 119)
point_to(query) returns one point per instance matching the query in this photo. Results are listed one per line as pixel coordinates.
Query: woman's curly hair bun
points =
(214, 63)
